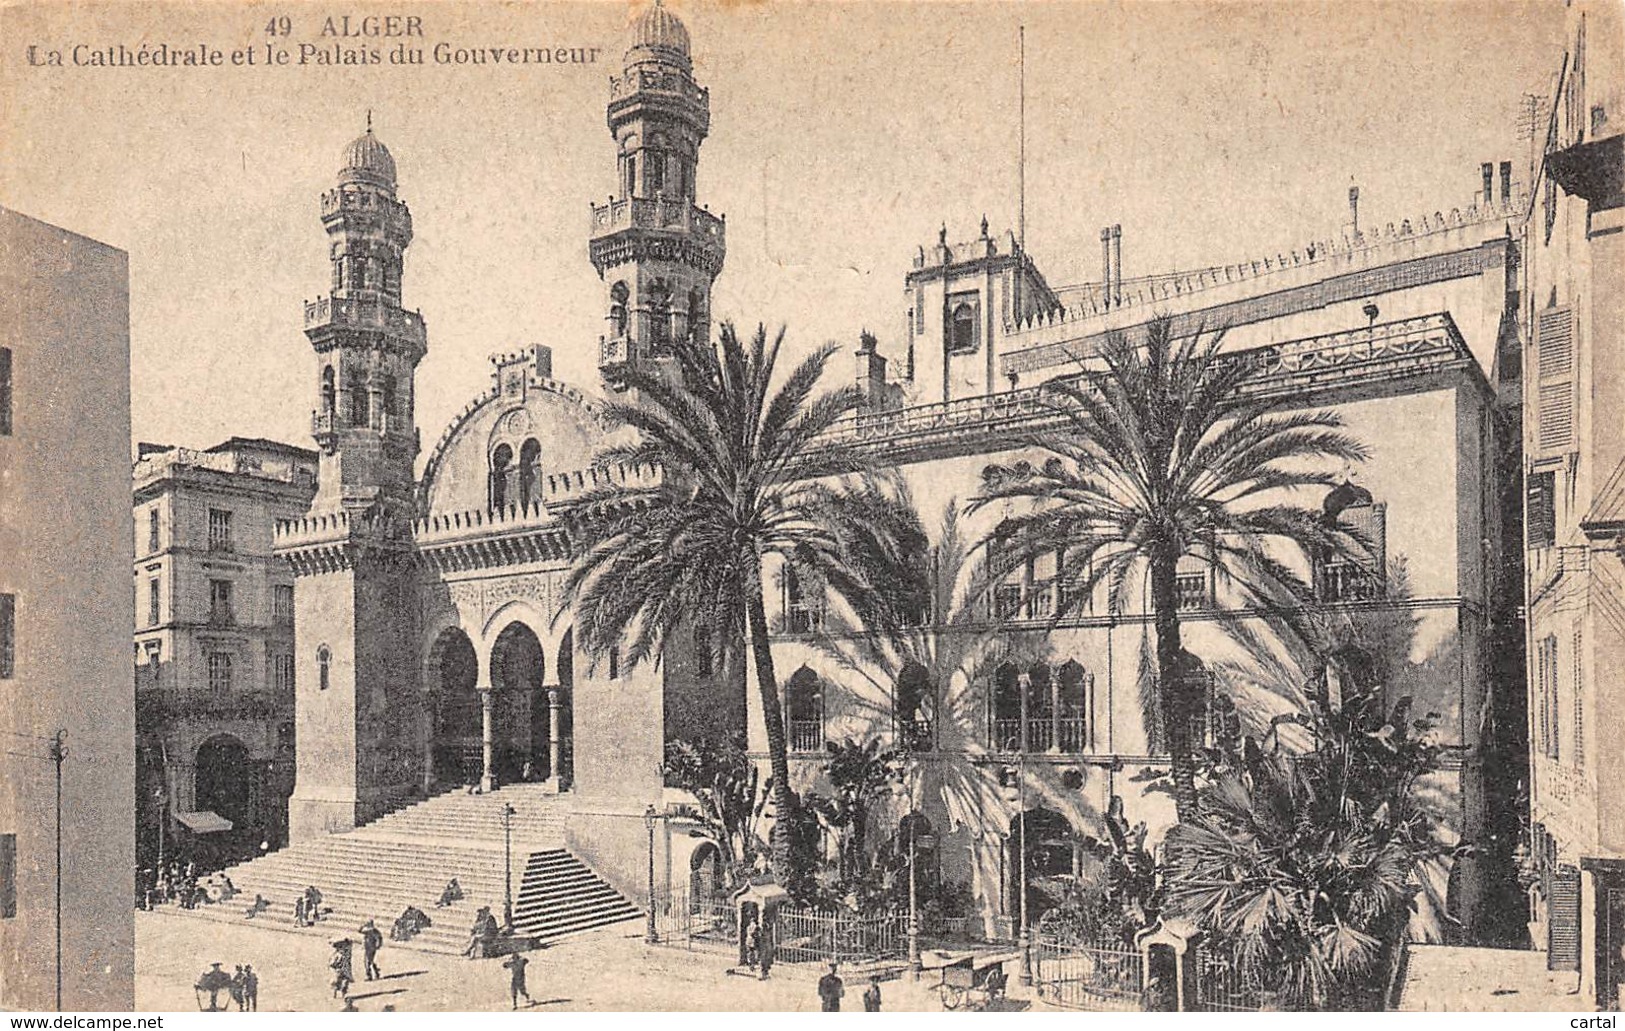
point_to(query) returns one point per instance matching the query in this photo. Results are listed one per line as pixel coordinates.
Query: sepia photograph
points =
(733, 506)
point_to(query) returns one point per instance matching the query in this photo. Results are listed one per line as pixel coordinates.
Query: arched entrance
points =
(1050, 861)
(707, 879)
(222, 781)
(519, 714)
(453, 676)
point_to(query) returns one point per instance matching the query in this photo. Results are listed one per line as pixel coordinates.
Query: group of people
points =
(483, 935)
(175, 883)
(831, 989)
(307, 908)
(243, 985)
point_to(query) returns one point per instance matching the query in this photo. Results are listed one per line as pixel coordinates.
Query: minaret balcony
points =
(658, 213)
(376, 314)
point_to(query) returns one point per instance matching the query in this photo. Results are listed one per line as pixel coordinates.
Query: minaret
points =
(367, 346)
(359, 718)
(655, 250)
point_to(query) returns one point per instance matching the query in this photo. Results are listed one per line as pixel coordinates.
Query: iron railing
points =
(1105, 975)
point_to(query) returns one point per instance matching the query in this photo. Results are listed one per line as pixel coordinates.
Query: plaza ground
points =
(607, 969)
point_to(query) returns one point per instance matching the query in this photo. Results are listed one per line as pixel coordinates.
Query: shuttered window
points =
(1555, 391)
(1563, 923)
(1540, 512)
(1579, 704)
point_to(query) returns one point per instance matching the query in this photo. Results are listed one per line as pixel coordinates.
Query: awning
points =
(203, 822)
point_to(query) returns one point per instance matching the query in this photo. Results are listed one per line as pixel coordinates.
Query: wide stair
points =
(405, 859)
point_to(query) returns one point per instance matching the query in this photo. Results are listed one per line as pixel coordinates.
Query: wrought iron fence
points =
(803, 935)
(1090, 976)
(1225, 984)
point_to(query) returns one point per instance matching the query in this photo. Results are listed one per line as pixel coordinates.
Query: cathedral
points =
(435, 647)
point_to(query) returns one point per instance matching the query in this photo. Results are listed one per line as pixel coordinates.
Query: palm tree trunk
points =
(773, 720)
(1174, 690)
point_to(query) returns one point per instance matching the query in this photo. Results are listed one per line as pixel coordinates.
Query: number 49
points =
(282, 26)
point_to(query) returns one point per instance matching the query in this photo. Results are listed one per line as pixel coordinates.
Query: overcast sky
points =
(842, 136)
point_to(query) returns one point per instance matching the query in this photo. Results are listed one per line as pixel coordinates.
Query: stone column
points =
(488, 779)
(1054, 710)
(555, 751)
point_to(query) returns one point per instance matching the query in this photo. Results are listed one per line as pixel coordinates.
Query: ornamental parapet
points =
(351, 201)
(1038, 340)
(967, 425)
(657, 213)
(365, 314)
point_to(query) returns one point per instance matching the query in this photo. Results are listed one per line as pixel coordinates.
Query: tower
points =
(359, 720)
(655, 250)
(367, 346)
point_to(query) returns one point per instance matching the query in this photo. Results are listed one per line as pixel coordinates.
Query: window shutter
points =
(1555, 392)
(1563, 922)
(1540, 514)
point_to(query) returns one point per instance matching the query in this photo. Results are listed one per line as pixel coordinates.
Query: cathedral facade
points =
(435, 645)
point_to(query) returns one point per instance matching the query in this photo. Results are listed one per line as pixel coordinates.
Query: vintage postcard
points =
(676, 505)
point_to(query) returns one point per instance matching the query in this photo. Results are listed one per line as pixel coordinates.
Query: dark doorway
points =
(453, 673)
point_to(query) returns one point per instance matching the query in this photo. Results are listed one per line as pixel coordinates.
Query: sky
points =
(842, 136)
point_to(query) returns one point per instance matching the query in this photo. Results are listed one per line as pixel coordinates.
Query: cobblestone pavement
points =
(609, 969)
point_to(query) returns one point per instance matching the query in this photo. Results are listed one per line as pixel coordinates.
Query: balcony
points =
(1065, 735)
(1346, 581)
(180, 704)
(365, 314)
(658, 213)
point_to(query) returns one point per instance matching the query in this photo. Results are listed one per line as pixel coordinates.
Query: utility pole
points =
(59, 752)
(507, 866)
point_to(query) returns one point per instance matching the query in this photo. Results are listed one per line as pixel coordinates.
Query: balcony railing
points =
(1045, 733)
(803, 620)
(1346, 581)
(806, 735)
(657, 213)
(365, 313)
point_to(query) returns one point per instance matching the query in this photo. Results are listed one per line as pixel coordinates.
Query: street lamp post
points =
(649, 817)
(59, 752)
(508, 812)
(1023, 932)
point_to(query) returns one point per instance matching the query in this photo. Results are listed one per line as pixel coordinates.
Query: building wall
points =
(64, 474)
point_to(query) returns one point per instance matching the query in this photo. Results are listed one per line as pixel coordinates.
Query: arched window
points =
(803, 601)
(696, 315)
(324, 663)
(358, 272)
(1073, 695)
(804, 711)
(501, 460)
(617, 311)
(631, 176)
(659, 318)
(962, 327)
(358, 399)
(327, 391)
(913, 707)
(654, 172)
(338, 268)
(530, 473)
(1006, 735)
(388, 400)
(1040, 709)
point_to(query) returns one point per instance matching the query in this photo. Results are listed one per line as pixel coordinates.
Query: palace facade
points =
(435, 646)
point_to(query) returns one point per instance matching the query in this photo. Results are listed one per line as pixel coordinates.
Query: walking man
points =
(516, 984)
(237, 982)
(830, 990)
(251, 988)
(372, 940)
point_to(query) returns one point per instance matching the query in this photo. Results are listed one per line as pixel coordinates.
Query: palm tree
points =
(1306, 867)
(1164, 448)
(748, 472)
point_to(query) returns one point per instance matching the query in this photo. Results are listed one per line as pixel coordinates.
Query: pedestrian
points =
(237, 981)
(453, 892)
(830, 990)
(299, 912)
(871, 995)
(343, 972)
(753, 945)
(516, 983)
(251, 988)
(259, 906)
(313, 904)
(372, 940)
(212, 981)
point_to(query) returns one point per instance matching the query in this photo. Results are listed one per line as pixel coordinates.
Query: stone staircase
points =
(406, 857)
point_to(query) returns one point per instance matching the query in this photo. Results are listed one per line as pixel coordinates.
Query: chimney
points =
(1117, 264)
(1506, 183)
(1488, 169)
(1106, 264)
(1354, 209)
(871, 371)
(541, 357)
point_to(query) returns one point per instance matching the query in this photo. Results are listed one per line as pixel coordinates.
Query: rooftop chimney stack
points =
(1506, 184)
(1488, 169)
(1106, 264)
(1117, 264)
